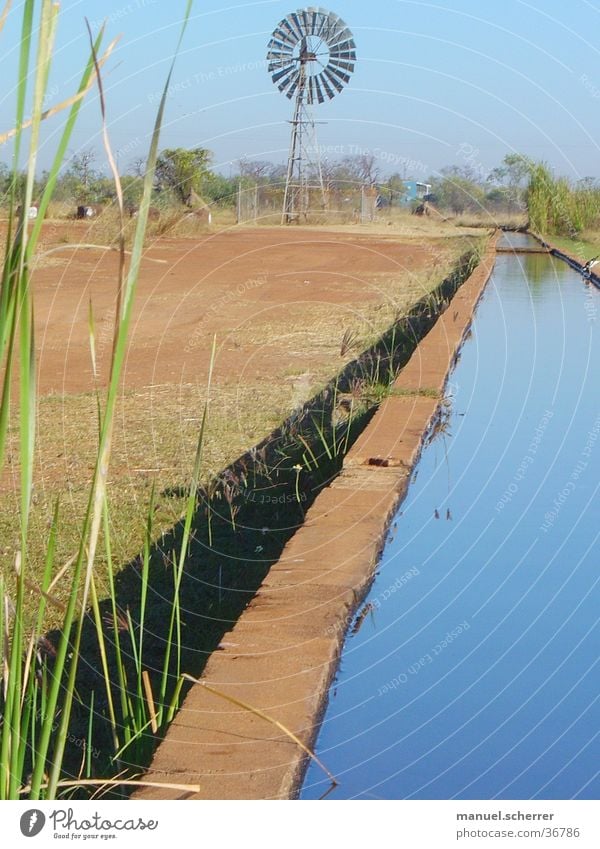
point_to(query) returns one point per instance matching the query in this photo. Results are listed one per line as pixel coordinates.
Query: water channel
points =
(474, 673)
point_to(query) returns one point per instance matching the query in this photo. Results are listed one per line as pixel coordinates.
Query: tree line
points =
(185, 176)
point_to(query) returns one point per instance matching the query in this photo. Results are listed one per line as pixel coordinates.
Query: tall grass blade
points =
(4, 14)
(116, 782)
(187, 528)
(257, 712)
(94, 513)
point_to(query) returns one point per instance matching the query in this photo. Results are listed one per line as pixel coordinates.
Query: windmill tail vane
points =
(311, 58)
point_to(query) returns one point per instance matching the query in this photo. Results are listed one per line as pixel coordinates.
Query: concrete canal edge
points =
(574, 262)
(281, 655)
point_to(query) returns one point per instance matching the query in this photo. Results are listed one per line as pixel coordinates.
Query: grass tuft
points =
(39, 676)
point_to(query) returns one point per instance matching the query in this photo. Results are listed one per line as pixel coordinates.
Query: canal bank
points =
(282, 654)
(477, 678)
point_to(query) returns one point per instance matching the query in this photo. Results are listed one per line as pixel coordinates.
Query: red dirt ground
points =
(235, 284)
(280, 301)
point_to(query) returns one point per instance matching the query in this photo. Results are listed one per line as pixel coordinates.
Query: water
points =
(518, 241)
(476, 675)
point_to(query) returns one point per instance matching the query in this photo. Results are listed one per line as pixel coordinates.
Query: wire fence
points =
(263, 204)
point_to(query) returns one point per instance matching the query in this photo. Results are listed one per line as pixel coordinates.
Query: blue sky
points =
(435, 83)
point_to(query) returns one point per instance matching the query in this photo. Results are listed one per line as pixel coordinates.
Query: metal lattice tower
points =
(311, 56)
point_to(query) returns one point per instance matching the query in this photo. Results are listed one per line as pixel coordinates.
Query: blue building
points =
(414, 191)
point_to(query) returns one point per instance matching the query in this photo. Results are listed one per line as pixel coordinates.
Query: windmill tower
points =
(311, 56)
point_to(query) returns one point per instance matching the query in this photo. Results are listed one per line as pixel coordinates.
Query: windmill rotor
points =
(311, 58)
(311, 51)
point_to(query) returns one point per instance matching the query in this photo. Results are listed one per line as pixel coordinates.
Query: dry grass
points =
(157, 428)
(490, 220)
(391, 222)
(155, 438)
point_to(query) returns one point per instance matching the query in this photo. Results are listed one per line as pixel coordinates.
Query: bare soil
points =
(289, 308)
(260, 291)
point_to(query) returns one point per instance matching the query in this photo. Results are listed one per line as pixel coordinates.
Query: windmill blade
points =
(333, 80)
(276, 55)
(317, 84)
(314, 24)
(321, 18)
(280, 66)
(289, 87)
(341, 31)
(329, 27)
(283, 78)
(345, 42)
(344, 54)
(339, 75)
(284, 35)
(281, 41)
(287, 28)
(275, 44)
(275, 67)
(292, 90)
(345, 66)
(343, 46)
(295, 21)
(329, 91)
(291, 69)
(340, 38)
(306, 22)
(337, 30)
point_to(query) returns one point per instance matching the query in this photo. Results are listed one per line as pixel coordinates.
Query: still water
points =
(476, 674)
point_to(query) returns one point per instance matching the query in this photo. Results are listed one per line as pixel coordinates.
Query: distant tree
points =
(588, 183)
(180, 171)
(4, 181)
(343, 175)
(219, 189)
(137, 166)
(83, 175)
(515, 169)
(512, 178)
(328, 173)
(278, 173)
(81, 182)
(455, 191)
(261, 172)
(132, 187)
(394, 188)
(363, 167)
(495, 198)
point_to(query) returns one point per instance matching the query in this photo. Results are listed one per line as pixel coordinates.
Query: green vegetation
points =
(39, 696)
(516, 191)
(556, 207)
(472, 189)
(181, 172)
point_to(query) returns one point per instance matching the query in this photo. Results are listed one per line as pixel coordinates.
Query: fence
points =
(263, 204)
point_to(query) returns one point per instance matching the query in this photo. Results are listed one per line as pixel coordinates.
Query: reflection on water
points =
(477, 677)
(517, 241)
(535, 269)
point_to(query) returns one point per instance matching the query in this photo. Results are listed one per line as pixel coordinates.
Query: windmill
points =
(311, 56)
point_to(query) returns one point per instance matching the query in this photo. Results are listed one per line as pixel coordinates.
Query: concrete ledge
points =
(282, 654)
(394, 436)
